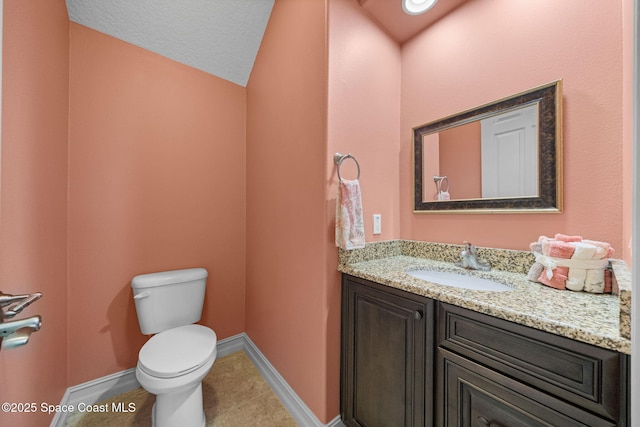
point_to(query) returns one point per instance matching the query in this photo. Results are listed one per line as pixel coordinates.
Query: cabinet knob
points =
(417, 314)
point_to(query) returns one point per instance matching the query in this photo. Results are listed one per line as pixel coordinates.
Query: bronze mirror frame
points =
(549, 198)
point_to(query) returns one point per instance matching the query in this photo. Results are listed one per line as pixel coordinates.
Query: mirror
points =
(502, 157)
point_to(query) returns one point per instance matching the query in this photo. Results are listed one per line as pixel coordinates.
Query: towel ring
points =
(338, 158)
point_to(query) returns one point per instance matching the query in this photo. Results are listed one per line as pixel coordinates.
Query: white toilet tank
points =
(169, 299)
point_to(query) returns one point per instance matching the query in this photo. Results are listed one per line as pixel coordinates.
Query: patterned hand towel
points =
(349, 219)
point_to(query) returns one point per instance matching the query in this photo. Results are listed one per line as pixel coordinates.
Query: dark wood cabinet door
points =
(474, 396)
(586, 375)
(386, 368)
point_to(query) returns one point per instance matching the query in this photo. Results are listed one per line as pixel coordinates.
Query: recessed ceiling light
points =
(416, 7)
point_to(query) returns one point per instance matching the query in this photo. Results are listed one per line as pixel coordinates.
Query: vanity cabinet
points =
(491, 372)
(407, 360)
(386, 357)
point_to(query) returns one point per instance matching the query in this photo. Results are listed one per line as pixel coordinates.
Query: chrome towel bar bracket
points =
(338, 158)
(16, 333)
(22, 301)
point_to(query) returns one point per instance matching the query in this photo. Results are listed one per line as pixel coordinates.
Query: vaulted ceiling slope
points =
(220, 37)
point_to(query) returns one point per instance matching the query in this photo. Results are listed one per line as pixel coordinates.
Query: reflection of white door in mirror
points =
(510, 154)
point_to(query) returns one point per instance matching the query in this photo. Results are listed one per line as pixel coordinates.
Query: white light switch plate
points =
(377, 223)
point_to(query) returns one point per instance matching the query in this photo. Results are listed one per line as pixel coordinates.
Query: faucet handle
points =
(6, 299)
(25, 301)
(470, 248)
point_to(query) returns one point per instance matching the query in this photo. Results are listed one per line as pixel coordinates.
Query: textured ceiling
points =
(220, 37)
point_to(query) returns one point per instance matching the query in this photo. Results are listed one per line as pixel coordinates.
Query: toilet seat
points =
(178, 351)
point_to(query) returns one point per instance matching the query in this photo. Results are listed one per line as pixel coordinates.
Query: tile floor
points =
(234, 392)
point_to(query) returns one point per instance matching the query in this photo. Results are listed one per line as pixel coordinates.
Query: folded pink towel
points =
(349, 218)
(565, 238)
(558, 280)
(558, 249)
(608, 283)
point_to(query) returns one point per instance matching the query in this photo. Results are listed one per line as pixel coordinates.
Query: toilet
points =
(173, 363)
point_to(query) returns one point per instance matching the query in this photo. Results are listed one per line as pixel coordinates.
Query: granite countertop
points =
(590, 318)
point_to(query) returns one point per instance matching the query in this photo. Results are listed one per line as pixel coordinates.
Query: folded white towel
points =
(576, 279)
(584, 250)
(604, 249)
(349, 218)
(577, 276)
(594, 281)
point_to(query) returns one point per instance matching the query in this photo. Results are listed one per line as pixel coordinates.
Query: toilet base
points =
(179, 409)
(178, 399)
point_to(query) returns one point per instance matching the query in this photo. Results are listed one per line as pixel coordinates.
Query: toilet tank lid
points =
(168, 277)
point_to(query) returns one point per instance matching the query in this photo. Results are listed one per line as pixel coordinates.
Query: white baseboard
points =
(299, 411)
(95, 391)
(123, 381)
(336, 422)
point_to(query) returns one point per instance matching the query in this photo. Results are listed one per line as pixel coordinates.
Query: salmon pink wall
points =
(287, 295)
(156, 182)
(33, 232)
(487, 50)
(364, 112)
(363, 118)
(628, 51)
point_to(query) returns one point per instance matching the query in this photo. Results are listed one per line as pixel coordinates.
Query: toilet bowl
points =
(173, 363)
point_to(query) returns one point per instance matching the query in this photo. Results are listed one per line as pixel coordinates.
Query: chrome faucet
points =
(16, 333)
(469, 259)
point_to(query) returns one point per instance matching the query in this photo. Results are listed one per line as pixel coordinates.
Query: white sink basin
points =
(456, 280)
